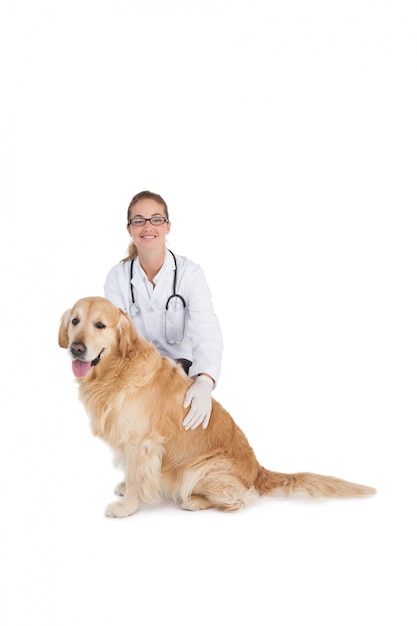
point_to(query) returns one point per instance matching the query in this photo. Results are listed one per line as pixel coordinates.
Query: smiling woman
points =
(169, 300)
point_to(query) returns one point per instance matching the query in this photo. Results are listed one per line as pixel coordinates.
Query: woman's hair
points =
(150, 195)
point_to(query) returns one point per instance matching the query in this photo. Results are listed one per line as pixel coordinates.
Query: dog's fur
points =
(134, 398)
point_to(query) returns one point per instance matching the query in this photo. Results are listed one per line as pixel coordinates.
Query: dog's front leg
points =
(143, 460)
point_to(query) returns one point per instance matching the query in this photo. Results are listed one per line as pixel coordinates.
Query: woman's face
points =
(148, 236)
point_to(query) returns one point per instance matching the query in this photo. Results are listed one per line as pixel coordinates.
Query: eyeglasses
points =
(156, 220)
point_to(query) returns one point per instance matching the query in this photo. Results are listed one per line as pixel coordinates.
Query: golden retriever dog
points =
(134, 398)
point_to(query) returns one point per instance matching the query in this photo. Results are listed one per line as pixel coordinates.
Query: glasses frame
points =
(148, 219)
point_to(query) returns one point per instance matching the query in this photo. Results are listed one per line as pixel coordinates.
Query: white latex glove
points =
(199, 396)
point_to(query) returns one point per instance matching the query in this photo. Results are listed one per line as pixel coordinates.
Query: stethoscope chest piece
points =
(134, 309)
(174, 309)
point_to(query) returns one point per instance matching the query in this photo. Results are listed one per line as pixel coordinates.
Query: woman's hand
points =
(199, 396)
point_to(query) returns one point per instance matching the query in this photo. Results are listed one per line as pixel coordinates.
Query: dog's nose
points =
(78, 348)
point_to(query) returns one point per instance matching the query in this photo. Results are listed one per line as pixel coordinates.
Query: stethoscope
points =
(169, 324)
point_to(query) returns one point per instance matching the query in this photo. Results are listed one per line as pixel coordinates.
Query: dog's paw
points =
(120, 489)
(120, 509)
(196, 503)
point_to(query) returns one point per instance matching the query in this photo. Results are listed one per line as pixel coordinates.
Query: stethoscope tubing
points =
(174, 286)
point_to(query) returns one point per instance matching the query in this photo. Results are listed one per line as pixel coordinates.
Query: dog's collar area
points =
(97, 359)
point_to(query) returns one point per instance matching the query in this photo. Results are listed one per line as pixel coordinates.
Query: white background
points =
(282, 135)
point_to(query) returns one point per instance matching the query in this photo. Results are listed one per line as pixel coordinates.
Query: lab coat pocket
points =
(174, 325)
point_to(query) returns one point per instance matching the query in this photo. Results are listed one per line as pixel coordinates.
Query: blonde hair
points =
(132, 252)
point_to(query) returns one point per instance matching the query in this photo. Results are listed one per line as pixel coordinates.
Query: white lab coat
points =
(202, 342)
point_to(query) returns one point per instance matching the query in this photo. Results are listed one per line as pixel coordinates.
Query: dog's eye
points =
(100, 325)
(75, 321)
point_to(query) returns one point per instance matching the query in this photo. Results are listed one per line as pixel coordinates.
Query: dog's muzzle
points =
(78, 350)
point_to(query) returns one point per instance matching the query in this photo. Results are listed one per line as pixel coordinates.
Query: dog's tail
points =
(313, 485)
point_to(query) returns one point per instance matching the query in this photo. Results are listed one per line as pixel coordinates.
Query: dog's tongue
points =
(81, 368)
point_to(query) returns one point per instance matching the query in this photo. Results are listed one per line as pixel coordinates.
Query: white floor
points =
(291, 562)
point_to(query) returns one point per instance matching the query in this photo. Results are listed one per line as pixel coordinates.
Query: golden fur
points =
(134, 398)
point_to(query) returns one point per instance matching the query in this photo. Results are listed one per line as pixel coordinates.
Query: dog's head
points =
(92, 330)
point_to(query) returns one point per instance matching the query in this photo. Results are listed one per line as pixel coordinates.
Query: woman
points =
(169, 300)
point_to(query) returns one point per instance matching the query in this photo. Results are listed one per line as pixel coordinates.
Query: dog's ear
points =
(63, 340)
(127, 335)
